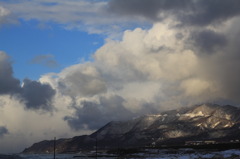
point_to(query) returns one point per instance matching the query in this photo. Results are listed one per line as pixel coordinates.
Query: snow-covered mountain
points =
(197, 123)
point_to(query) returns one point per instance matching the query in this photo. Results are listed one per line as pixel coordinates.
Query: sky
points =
(68, 67)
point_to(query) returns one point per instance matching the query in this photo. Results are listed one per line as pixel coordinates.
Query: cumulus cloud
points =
(35, 95)
(3, 131)
(150, 70)
(81, 80)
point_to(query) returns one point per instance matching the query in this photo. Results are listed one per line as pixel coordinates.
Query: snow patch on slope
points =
(195, 114)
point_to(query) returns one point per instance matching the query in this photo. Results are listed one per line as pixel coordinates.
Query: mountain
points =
(198, 123)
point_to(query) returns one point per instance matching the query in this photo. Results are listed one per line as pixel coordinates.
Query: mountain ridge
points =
(200, 122)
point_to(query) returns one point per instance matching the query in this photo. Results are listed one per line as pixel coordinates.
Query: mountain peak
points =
(200, 122)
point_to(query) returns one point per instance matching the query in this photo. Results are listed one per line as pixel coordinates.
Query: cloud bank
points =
(151, 70)
(189, 56)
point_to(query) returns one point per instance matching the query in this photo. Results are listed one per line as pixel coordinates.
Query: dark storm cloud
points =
(208, 41)
(196, 12)
(226, 68)
(213, 11)
(146, 8)
(3, 131)
(34, 94)
(8, 84)
(92, 115)
(37, 95)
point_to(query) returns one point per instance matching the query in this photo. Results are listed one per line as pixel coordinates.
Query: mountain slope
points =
(202, 122)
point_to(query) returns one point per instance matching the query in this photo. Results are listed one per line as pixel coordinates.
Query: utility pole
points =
(54, 148)
(96, 146)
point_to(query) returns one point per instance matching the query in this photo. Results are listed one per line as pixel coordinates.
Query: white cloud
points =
(6, 16)
(81, 80)
(157, 69)
(27, 127)
(4, 11)
(139, 69)
(154, 54)
(91, 16)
